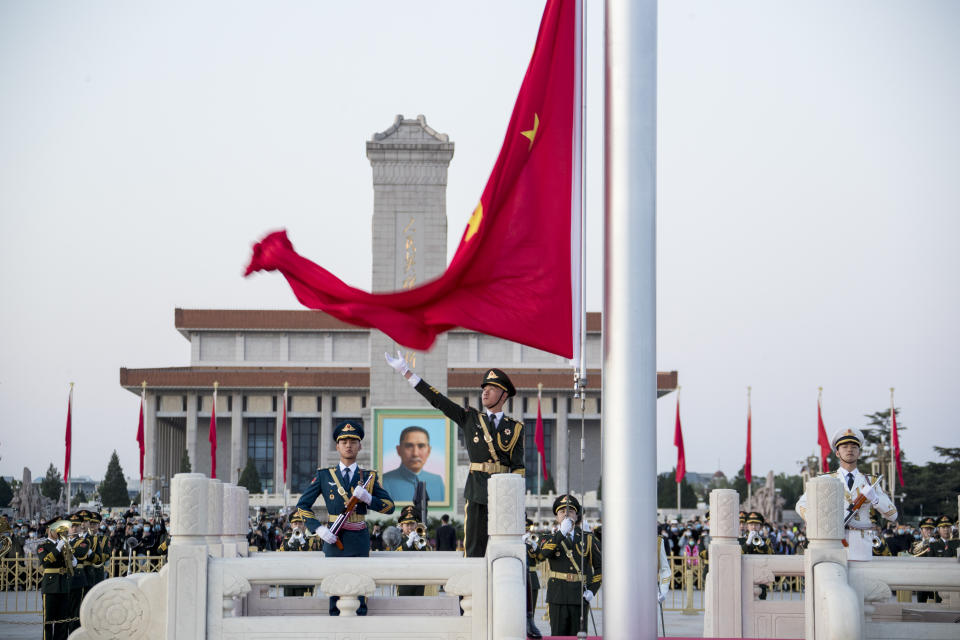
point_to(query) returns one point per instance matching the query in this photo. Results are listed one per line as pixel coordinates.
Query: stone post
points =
(187, 558)
(215, 493)
(723, 617)
(506, 555)
(824, 532)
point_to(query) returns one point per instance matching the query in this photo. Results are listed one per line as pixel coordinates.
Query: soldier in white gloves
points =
(860, 530)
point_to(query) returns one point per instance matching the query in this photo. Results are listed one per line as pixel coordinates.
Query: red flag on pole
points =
(896, 439)
(678, 442)
(747, 468)
(212, 436)
(512, 274)
(822, 438)
(67, 436)
(140, 437)
(283, 433)
(538, 438)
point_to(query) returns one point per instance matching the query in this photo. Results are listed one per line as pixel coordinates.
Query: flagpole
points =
(286, 385)
(143, 409)
(539, 459)
(749, 479)
(630, 314)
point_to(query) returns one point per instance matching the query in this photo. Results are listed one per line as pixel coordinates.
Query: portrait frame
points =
(388, 423)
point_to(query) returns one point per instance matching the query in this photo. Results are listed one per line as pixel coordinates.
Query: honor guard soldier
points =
(664, 571)
(575, 569)
(80, 545)
(414, 539)
(860, 530)
(755, 543)
(297, 540)
(531, 539)
(337, 485)
(58, 565)
(99, 548)
(947, 545)
(923, 548)
(494, 443)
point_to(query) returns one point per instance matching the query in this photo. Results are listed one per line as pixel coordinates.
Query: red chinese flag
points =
(823, 441)
(678, 442)
(283, 437)
(511, 276)
(140, 439)
(747, 468)
(212, 437)
(538, 438)
(896, 445)
(67, 436)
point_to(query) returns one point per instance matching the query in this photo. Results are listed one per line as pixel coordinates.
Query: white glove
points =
(588, 595)
(586, 526)
(566, 526)
(325, 535)
(74, 561)
(526, 539)
(870, 494)
(362, 494)
(401, 366)
(60, 545)
(661, 596)
(412, 538)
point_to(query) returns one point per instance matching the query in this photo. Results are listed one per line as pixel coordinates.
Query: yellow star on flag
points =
(532, 133)
(474, 223)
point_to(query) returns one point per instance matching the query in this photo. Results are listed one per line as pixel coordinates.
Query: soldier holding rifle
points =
(348, 492)
(857, 487)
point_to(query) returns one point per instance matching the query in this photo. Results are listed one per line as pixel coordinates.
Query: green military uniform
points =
(923, 548)
(411, 515)
(575, 567)
(945, 547)
(756, 544)
(78, 582)
(492, 446)
(294, 544)
(99, 550)
(55, 584)
(533, 582)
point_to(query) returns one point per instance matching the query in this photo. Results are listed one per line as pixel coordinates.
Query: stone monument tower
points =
(409, 163)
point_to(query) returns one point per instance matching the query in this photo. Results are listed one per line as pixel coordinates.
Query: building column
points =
(192, 432)
(561, 447)
(325, 443)
(237, 459)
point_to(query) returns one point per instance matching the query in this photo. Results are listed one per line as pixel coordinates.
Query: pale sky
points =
(808, 196)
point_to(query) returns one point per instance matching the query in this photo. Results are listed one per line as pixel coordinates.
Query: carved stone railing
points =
(204, 591)
(842, 600)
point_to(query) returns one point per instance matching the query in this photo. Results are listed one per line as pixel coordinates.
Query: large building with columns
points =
(335, 371)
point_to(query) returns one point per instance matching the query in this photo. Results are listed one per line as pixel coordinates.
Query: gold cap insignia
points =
(492, 374)
(348, 427)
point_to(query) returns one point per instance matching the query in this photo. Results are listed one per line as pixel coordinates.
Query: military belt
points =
(489, 467)
(60, 570)
(568, 577)
(353, 517)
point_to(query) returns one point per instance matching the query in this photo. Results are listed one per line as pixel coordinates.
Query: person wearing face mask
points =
(860, 530)
(575, 569)
(494, 442)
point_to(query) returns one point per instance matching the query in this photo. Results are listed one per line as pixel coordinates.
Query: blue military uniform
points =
(336, 491)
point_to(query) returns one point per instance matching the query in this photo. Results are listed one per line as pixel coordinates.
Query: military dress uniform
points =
(55, 585)
(493, 446)
(99, 550)
(409, 514)
(945, 547)
(533, 582)
(79, 582)
(923, 548)
(756, 545)
(336, 490)
(861, 529)
(575, 566)
(294, 544)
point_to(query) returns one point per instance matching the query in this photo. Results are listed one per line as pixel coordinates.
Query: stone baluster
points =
(187, 557)
(506, 555)
(723, 617)
(825, 533)
(215, 512)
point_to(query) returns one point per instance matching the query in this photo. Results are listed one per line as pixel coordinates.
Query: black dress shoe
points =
(532, 631)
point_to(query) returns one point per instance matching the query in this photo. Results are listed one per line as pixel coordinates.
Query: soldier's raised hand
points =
(566, 526)
(399, 363)
(362, 494)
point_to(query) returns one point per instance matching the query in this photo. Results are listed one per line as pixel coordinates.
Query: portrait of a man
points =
(411, 445)
(414, 450)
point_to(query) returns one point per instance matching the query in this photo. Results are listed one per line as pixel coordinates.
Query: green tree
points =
(113, 489)
(6, 493)
(667, 492)
(185, 462)
(931, 489)
(547, 486)
(249, 478)
(77, 499)
(876, 437)
(52, 484)
(791, 488)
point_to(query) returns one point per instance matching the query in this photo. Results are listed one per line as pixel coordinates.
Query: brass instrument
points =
(877, 543)
(534, 539)
(920, 548)
(61, 529)
(421, 541)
